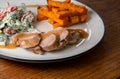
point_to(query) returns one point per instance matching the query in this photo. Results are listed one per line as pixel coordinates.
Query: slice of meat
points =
(83, 34)
(64, 36)
(50, 43)
(56, 31)
(36, 50)
(31, 41)
(74, 37)
(26, 40)
(59, 37)
(62, 44)
(36, 31)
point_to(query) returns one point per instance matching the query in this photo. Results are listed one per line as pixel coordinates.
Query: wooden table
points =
(102, 62)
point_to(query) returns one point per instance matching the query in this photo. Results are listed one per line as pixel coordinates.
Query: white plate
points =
(94, 26)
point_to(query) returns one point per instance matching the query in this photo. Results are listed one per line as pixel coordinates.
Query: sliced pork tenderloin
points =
(26, 40)
(36, 50)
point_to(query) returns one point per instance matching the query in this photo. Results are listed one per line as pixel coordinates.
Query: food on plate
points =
(69, 6)
(36, 50)
(26, 40)
(55, 39)
(67, 1)
(62, 14)
(8, 46)
(14, 20)
(17, 30)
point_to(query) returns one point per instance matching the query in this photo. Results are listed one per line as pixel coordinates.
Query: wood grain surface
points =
(102, 62)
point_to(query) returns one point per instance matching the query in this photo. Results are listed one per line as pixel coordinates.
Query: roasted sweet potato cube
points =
(83, 18)
(51, 21)
(67, 1)
(57, 9)
(74, 19)
(67, 13)
(70, 6)
(55, 25)
(41, 17)
(51, 15)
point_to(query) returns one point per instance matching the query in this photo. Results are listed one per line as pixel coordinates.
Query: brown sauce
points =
(13, 46)
(25, 35)
(84, 34)
(8, 46)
